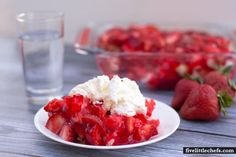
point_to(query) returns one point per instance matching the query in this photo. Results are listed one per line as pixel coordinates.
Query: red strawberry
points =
(55, 123)
(93, 135)
(182, 89)
(97, 110)
(111, 138)
(145, 132)
(220, 83)
(203, 103)
(80, 131)
(130, 124)
(93, 120)
(150, 104)
(67, 133)
(113, 122)
(55, 105)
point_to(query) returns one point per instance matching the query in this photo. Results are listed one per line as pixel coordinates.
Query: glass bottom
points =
(40, 97)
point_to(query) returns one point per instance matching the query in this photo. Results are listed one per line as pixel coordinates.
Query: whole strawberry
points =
(220, 82)
(182, 90)
(203, 103)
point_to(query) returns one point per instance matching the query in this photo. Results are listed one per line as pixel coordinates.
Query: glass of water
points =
(42, 50)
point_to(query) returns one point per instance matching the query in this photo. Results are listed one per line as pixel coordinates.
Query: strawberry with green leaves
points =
(220, 81)
(204, 99)
(203, 103)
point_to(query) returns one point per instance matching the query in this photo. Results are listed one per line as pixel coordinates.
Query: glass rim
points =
(39, 16)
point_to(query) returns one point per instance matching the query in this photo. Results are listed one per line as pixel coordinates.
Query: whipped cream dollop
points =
(120, 95)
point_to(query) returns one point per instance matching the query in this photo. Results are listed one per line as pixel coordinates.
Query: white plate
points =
(169, 122)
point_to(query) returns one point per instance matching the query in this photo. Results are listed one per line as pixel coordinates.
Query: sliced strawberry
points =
(93, 120)
(68, 99)
(81, 118)
(80, 130)
(98, 110)
(141, 117)
(138, 123)
(55, 105)
(113, 122)
(77, 118)
(150, 104)
(130, 124)
(147, 131)
(94, 136)
(111, 139)
(67, 133)
(55, 123)
(154, 122)
(75, 105)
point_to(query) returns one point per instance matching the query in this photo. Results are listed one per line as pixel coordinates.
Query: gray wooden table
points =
(18, 136)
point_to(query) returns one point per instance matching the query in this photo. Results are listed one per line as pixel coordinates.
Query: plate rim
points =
(37, 125)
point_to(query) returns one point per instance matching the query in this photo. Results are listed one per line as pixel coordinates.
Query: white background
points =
(79, 12)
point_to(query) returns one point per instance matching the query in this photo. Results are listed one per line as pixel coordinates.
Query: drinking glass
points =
(42, 50)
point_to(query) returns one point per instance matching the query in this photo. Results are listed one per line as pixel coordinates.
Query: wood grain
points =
(18, 136)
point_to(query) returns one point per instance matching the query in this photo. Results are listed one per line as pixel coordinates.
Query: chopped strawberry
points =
(93, 120)
(55, 105)
(130, 124)
(113, 122)
(67, 133)
(93, 136)
(55, 123)
(111, 139)
(145, 132)
(148, 131)
(154, 122)
(97, 110)
(75, 105)
(150, 104)
(85, 117)
(191, 48)
(141, 117)
(88, 122)
(165, 75)
(80, 131)
(77, 118)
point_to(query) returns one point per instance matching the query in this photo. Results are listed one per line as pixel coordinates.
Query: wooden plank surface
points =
(18, 136)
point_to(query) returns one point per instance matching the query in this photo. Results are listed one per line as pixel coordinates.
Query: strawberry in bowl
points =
(103, 111)
(158, 56)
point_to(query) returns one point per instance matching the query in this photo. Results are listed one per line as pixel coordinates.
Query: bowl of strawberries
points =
(158, 55)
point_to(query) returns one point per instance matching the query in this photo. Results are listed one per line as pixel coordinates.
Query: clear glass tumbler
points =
(42, 49)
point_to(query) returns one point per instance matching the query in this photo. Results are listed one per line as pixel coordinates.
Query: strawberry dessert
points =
(103, 111)
(159, 57)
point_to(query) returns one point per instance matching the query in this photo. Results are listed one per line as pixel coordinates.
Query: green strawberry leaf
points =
(225, 70)
(232, 84)
(194, 78)
(225, 101)
(198, 79)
